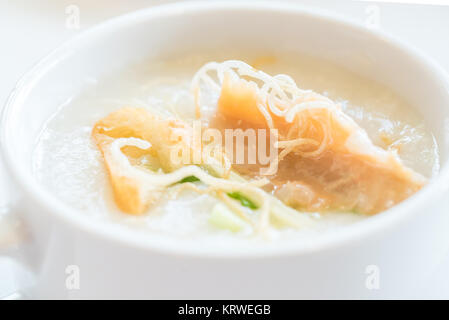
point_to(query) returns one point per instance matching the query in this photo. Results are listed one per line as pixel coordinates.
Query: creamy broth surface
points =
(69, 165)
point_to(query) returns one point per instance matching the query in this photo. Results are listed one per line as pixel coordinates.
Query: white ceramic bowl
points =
(398, 247)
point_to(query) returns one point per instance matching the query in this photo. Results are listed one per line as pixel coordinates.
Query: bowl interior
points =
(173, 29)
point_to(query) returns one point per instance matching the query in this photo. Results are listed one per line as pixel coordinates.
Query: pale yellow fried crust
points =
(162, 134)
(136, 123)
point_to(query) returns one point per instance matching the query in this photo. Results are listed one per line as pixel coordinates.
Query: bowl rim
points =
(118, 234)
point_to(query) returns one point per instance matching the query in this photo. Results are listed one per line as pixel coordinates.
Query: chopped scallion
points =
(244, 201)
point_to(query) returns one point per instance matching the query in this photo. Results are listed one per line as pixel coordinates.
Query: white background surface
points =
(30, 29)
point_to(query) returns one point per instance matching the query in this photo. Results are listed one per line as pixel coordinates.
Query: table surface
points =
(30, 29)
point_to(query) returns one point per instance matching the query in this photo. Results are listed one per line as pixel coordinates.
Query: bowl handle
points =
(13, 246)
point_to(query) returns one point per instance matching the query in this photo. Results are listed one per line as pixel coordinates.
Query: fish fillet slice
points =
(329, 162)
